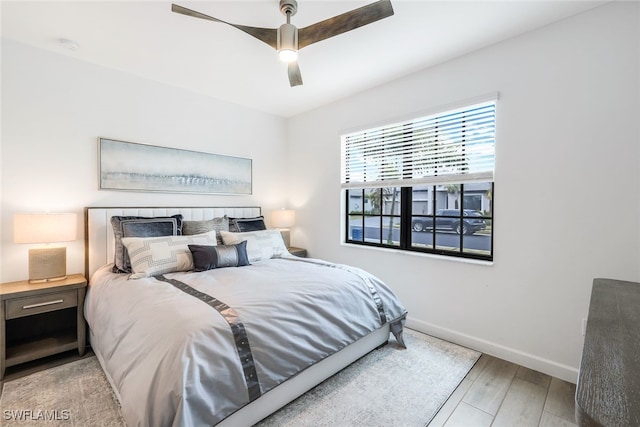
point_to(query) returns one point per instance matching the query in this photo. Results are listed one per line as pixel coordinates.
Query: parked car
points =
(449, 220)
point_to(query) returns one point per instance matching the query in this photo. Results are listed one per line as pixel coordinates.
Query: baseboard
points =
(546, 366)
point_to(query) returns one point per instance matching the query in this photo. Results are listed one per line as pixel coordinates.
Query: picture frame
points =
(130, 166)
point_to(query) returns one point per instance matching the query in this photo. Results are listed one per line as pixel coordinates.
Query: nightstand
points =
(302, 253)
(41, 319)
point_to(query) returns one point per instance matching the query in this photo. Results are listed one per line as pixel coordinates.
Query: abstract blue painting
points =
(140, 167)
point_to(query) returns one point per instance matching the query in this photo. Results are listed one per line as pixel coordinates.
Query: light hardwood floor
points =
(494, 393)
(502, 394)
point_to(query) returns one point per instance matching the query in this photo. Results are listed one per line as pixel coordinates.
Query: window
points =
(374, 215)
(423, 185)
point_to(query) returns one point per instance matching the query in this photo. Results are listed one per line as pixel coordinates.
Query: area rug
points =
(390, 386)
(75, 394)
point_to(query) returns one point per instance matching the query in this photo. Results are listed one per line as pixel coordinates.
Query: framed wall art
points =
(139, 167)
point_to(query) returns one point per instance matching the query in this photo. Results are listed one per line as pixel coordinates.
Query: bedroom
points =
(567, 182)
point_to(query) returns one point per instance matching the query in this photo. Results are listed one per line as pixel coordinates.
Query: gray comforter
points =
(189, 349)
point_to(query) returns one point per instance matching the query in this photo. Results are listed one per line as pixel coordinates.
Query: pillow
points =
(210, 257)
(151, 256)
(238, 225)
(139, 226)
(263, 244)
(199, 227)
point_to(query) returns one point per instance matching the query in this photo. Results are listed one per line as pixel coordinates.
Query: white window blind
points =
(451, 146)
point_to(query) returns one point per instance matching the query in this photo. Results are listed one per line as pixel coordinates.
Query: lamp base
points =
(47, 264)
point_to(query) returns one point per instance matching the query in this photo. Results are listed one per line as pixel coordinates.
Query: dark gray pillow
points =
(240, 225)
(199, 227)
(139, 226)
(210, 257)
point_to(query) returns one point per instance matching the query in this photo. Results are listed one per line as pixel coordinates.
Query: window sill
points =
(420, 254)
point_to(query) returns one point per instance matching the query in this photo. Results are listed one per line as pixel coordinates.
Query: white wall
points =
(567, 192)
(55, 107)
(568, 139)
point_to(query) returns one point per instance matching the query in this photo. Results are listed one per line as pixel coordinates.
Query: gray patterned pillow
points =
(140, 226)
(262, 244)
(151, 256)
(198, 227)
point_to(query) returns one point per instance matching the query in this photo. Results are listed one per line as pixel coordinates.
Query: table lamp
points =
(46, 264)
(283, 219)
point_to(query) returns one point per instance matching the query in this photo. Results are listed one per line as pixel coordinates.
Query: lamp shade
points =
(44, 227)
(283, 218)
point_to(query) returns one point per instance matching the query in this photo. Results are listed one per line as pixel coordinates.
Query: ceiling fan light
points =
(287, 55)
(287, 43)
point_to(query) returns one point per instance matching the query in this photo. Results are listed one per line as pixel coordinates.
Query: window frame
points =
(451, 145)
(406, 225)
(381, 215)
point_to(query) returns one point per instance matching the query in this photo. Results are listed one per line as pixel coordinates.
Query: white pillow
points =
(261, 244)
(151, 256)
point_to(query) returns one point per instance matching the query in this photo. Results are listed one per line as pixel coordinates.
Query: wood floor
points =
(494, 393)
(502, 394)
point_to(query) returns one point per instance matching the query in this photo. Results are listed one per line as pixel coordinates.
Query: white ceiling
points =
(145, 38)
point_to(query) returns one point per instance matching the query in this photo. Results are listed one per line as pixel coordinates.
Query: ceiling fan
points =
(288, 39)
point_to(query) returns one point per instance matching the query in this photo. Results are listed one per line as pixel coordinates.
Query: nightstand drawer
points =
(27, 306)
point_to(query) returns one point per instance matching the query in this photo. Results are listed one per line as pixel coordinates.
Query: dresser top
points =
(608, 389)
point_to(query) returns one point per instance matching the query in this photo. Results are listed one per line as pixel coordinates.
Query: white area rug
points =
(76, 394)
(390, 386)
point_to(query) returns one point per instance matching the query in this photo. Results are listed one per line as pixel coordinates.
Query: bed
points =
(223, 346)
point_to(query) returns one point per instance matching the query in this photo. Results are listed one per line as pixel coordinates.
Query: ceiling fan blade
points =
(295, 78)
(267, 35)
(346, 22)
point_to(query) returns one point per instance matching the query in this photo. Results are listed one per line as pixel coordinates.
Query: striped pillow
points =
(210, 257)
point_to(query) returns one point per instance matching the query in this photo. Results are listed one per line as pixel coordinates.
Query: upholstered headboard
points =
(99, 237)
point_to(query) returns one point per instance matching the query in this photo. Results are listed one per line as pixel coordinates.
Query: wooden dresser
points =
(608, 389)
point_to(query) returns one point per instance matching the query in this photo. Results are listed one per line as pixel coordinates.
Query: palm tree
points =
(454, 189)
(375, 199)
(394, 195)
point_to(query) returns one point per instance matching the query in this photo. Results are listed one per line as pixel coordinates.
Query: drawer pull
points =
(41, 304)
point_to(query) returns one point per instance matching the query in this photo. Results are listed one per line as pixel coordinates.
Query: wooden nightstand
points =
(302, 253)
(41, 319)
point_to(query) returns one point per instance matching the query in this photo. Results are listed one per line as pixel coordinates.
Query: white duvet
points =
(172, 356)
